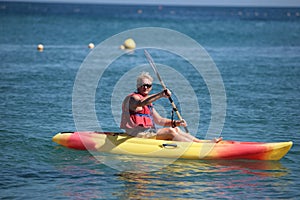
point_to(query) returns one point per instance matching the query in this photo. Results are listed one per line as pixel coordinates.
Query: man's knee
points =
(173, 131)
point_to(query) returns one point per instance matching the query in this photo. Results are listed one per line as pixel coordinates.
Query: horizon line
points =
(149, 3)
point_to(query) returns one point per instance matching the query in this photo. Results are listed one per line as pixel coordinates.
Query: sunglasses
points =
(147, 85)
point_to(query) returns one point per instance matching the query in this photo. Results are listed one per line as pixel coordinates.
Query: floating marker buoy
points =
(122, 47)
(129, 44)
(40, 47)
(91, 45)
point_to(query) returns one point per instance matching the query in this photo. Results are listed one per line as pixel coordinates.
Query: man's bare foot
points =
(217, 140)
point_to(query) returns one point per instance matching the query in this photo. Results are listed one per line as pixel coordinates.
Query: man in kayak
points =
(139, 116)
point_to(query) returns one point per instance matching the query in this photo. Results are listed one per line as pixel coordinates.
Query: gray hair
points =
(143, 75)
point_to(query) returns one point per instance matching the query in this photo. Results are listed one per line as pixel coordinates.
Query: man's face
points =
(145, 87)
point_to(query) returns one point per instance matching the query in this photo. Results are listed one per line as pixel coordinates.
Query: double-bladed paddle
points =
(152, 64)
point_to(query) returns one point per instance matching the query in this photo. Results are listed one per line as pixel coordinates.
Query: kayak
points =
(121, 143)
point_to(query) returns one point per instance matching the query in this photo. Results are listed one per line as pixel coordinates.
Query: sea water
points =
(256, 51)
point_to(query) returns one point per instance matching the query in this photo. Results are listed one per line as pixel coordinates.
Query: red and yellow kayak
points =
(121, 143)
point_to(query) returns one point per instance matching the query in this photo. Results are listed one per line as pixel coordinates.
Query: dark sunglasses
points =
(147, 85)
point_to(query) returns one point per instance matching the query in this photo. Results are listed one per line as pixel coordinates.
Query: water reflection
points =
(261, 168)
(185, 178)
(135, 164)
(87, 177)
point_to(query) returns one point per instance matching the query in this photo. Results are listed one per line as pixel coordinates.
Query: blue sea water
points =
(255, 49)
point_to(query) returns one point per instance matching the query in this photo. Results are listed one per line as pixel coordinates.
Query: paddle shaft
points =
(152, 64)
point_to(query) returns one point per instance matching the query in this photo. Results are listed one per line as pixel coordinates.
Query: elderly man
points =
(139, 116)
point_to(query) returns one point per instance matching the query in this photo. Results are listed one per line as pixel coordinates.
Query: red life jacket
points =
(132, 119)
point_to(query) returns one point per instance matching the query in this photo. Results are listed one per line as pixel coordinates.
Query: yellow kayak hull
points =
(123, 144)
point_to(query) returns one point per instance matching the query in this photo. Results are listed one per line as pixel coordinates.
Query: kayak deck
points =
(121, 143)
